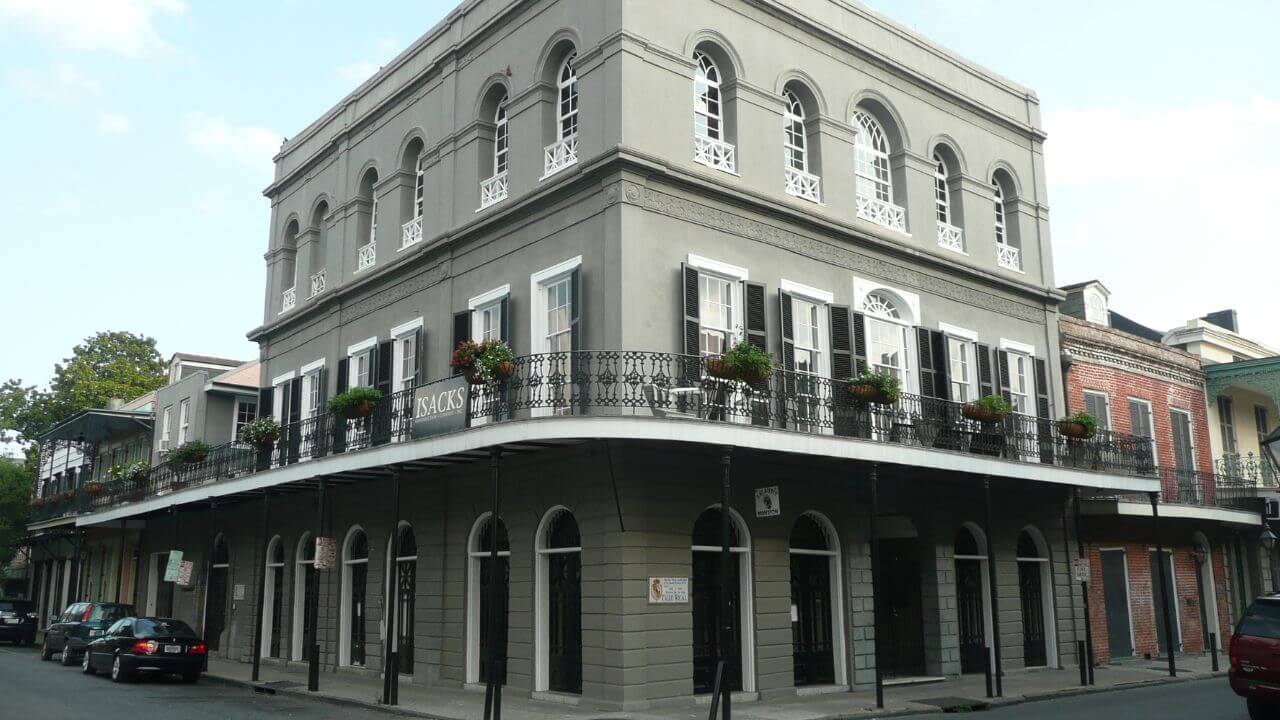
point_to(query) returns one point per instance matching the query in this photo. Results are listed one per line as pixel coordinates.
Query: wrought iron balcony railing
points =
(1248, 468)
(661, 385)
(882, 212)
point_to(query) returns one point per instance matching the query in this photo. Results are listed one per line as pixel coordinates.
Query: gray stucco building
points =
(619, 194)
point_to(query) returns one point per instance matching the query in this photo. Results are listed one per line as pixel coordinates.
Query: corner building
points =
(618, 195)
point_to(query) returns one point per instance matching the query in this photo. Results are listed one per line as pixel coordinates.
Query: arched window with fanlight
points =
(487, 619)
(495, 188)
(887, 327)
(558, 603)
(710, 144)
(1008, 247)
(563, 152)
(800, 182)
(873, 177)
(304, 632)
(817, 626)
(949, 233)
(355, 582)
(273, 600)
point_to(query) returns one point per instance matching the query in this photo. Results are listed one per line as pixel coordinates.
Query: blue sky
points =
(145, 129)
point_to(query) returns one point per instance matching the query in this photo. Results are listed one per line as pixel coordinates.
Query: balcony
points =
(669, 388)
(559, 155)
(493, 190)
(367, 256)
(950, 237)
(715, 154)
(411, 232)
(803, 185)
(882, 213)
(318, 283)
(288, 299)
(1008, 257)
(1248, 469)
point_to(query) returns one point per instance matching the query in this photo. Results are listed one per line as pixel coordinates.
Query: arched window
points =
(558, 631)
(1008, 246)
(887, 340)
(215, 604)
(973, 598)
(487, 624)
(367, 254)
(871, 158)
(708, 114)
(1001, 237)
(1035, 590)
(567, 99)
(304, 572)
(710, 644)
(289, 267)
(355, 582)
(319, 218)
(406, 591)
(793, 133)
(273, 600)
(412, 206)
(941, 192)
(817, 634)
(500, 140)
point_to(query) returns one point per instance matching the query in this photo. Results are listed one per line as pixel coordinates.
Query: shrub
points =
(354, 402)
(886, 385)
(748, 362)
(261, 431)
(189, 453)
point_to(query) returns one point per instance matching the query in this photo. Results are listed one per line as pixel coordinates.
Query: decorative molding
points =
(883, 270)
(393, 292)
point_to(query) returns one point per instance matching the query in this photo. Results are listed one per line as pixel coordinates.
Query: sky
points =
(139, 136)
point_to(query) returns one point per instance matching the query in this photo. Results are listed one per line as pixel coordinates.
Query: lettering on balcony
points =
(440, 407)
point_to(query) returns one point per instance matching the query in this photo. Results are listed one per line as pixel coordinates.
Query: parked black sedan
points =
(146, 645)
(18, 621)
(70, 633)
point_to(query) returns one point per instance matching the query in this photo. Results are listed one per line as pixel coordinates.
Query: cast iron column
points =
(875, 583)
(1164, 581)
(260, 603)
(391, 654)
(120, 564)
(313, 610)
(726, 557)
(995, 589)
(1086, 672)
(493, 687)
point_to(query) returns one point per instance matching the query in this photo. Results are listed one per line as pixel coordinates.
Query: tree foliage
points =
(15, 492)
(105, 366)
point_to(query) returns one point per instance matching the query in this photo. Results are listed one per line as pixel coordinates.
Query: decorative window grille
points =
(289, 298)
(367, 256)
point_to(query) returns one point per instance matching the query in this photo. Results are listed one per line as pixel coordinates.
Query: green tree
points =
(15, 493)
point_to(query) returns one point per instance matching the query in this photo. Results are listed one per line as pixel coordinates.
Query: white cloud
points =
(1171, 208)
(63, 83)
(126, 27)
(214, 136)
(113, 123)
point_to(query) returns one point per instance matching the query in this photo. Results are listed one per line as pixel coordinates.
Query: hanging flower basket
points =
(355, 403)
(991, 408)
(93, 489)
(1080, 426)
(875, 387)
(190, 453)
(504, 370)
(718, 368)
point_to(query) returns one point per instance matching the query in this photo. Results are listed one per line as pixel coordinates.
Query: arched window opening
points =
(873, 177)
(817, 647)
(1008, 249)
(564, 151)
(559, 603)
(215, 608)
(273, 600)
(406, 558)
(413, 204)
(942, 193)
(973, 607)
(487, 628)
(887, 340)
(355, 582)
(366, 254)
(800, 182)
(710, 144)
(1035, 592)
(319, 246)
(289, 267)
(495, 188)
(710, 642)
(304, 632)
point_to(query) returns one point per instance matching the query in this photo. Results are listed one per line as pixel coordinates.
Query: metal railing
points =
(1008, 256)
(411, 232)
(318, 283)
(658, 385)
(950, 237)
(288, 299)
(559, 155)
(1248, 468)
(493, 189)
(367, 255)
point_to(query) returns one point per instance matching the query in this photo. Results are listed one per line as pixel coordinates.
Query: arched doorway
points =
(1206, 587)
(486, 629)
(304, 632)
(1035, 590)
(973, 608)
(559, 603)
(355, 583)
(900, 626)
(273, 599)
(709, 642)
(817, 630)
(215, 607)
(406, 593)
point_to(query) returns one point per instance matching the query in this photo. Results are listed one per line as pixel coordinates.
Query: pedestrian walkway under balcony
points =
(967, 692)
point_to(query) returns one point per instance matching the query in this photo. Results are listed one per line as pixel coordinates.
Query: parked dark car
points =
(1255, 658)
(18, 621)
(69, 634)
(146, 645)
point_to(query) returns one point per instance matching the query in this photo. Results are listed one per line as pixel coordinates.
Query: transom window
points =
(500, 147)
(1001, 237)
(871, 158)
(793, 138)
(716, 313)
(942, 198)
(877, 304)
(960, 357)
(1020, 382)
(568, 98)
(707, 109)
(559, 327)
(808, 342)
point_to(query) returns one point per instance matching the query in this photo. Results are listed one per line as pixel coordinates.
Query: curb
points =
(303, 694)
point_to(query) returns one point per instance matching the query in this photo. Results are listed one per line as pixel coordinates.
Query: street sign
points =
(1080, 569)
(440, 407)
(172, 566)
(668, 590)
(238, 592)
(185, 569)
(768, 502)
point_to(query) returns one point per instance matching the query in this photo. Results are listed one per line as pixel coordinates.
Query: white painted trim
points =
(406, 328)
(346, 591)
(1186, 512)
(1157, 614)
(863, 287)
(746, 595)
(555, 270)
(299, 597)
(1106, 402)
(718, 268)
(361, 346)
(473, 596)
(280, 379)
(541, 599)
(808, 292)
(1018, 347)
(488, 297)
(268, 598)
(311, 367)
(957, 332)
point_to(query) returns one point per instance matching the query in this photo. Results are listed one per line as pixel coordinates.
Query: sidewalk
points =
(969, 691)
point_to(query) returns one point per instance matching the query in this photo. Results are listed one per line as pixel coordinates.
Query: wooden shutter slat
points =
(1043, 408)
(755, 325)
(1002, 371)
(859, 328)
(420, 357)
(690, 309)
(986, 384)
(504, 322)
(924, 349)
(841, 343)
(461, 332)
(941, 366)
(575, 310)
(788, 331)
(344, 375)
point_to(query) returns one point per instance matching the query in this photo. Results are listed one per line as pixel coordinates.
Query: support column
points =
(726, 557)
(995, 588)
(1164, 581)
(260, 603)
(391, 650)
(1086, 672)
(313, 610)
(493, 686)
(875, 582)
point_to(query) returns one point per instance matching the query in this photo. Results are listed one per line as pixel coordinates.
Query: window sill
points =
(402, 248)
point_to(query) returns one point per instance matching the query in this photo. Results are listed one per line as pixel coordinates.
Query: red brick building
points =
(1119, 372)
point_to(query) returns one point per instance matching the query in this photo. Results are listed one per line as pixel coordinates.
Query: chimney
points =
(115, 403)
(1223, 319)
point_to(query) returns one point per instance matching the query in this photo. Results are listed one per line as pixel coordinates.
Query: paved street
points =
(32, 690)
(1208, 699)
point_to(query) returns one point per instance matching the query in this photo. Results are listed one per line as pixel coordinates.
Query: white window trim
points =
(953, 332)
(716, 267)
(554, 272)
(346, 588)
(311, 367)
(1106, 402)
(474, 558)
(1018, 347)
(277, 380)
(184, 419)
(398, 333)
(309, 373)
(491, 296)
(957, 332)
(813, 294)
(235, 413)
(538, 280)
(405, 328)
(863, 287)
(356, 349)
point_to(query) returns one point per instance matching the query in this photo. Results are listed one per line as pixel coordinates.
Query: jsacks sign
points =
(440, 407)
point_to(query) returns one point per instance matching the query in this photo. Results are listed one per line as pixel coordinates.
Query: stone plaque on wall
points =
(668, 590)
(326, 553)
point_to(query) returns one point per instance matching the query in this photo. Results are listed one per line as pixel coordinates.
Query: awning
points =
(98, 426)
(1261, 376)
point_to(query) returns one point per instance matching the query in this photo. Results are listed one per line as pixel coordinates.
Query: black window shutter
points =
(690, 309)
(941, 365)
(841, 343)
(322, 379)
(928, 382)
(859, 343)
(505, 321)
(1002, 370)
(788, 331)
(1042, 388)
(575, 310)
(344, 375)
(757, 332)
(986, 384)
(461, 332)
(338, 440)
(295, 400)
(420, 356)
(383, 356)
(265, 397)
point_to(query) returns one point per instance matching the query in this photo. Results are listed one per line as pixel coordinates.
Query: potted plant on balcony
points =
(746, 363)
(1080, 426)
(991, 408)
(354, 403)
(65, 496)
(137, 471)
(483, 362)
(873, 386)
(189, 453)
(37, 502)
(261, 433)
(93, 488)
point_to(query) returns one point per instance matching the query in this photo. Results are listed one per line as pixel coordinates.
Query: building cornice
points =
(1101, 345)
(1204, 331)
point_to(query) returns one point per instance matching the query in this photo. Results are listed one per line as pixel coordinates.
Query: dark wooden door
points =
(277, 609)
(564, 627)
(708, 635)
(1160, 566)
(359, 587)
(1115, 597)
(216, 607)
(969, 611)
(407, 578)
(901, 626)
(812, 643)
(494, 635)
(1031, 590)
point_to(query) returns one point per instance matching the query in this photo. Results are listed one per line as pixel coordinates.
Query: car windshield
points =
(110, 613)
(1262, 620)
(155, 627)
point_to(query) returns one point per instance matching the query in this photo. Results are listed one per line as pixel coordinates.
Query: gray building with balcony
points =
(620, 196)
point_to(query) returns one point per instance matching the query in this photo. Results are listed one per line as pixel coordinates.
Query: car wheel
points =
(1259, 710)
(191, 677)
(120, 673)
(45, 652)
(86, 666)
(66, 658)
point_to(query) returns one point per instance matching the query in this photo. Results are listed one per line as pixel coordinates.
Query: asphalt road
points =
(1209, 699)
(34, 690)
